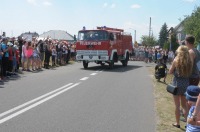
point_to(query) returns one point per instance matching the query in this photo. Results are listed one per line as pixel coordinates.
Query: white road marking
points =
(99, 71)
(93, 74)
(36, 104)
(83, 79)
(32, 101)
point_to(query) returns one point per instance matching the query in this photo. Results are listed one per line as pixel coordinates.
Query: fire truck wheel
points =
(111, 64)
(102, 64)
(85, 64)
(125, 62)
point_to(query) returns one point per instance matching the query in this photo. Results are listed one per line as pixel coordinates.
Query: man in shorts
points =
(189, 42)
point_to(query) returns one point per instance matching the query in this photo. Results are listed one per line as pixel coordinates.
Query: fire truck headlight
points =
(79, 57)
(103, 58)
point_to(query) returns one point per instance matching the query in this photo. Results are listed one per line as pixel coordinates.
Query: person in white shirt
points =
(54, 54)
(23, 59)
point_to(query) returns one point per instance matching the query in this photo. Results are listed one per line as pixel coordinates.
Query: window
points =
(93, 35)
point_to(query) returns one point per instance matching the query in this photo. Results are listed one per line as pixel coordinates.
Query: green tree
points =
(148, 41)
(173, 41)
(192, 25)
(166, 45)
(163, 35)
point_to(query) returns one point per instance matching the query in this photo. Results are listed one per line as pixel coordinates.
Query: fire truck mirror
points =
(111, 37)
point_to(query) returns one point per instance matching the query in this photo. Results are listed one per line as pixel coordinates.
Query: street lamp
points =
(171, 30)
(134, 34)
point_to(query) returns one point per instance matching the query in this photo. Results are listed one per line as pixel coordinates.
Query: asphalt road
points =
(71, 99)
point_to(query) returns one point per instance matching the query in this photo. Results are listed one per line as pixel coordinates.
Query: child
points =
(54, 54)
(192, 93)
(14, 50)
(160, 70)
(35, 60)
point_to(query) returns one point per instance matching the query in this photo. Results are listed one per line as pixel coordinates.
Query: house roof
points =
(34, 34)
(179, 27)
(175, 28)
(171, 29)
(58, 34)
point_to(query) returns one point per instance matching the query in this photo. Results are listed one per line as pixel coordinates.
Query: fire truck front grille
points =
(92, 52)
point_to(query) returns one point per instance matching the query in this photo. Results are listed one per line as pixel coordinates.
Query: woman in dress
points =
(181, 69)
(29, 55)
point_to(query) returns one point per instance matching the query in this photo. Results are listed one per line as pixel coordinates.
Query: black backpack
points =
(41, 47)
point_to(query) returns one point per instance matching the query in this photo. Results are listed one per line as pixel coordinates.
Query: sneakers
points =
(182, 118)
(14, 73)
(7, 77)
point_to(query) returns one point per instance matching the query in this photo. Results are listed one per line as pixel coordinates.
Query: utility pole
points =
(171, 33)
(150, 28)
(135, 36)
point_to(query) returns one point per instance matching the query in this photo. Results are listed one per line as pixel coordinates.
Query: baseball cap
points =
(192, 93)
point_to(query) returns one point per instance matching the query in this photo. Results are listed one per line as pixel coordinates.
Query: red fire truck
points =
(103, 45)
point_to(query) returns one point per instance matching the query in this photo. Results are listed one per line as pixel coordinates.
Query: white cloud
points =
(135, 6)
(105, 5)
(32, 2)
(47, 3)
(190, 1)
(113, 6)
(36, 2)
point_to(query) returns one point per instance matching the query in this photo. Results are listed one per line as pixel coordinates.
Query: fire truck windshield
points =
(93, 35)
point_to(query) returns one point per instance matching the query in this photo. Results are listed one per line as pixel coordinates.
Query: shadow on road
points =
(116, 68)
(1, 83)
(149, 66)
(11, 78)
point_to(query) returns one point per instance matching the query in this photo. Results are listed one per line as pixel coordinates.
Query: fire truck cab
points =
(103, 45)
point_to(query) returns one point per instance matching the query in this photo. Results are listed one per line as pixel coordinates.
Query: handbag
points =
(172, 89)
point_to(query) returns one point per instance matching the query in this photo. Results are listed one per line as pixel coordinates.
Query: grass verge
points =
(165, 108)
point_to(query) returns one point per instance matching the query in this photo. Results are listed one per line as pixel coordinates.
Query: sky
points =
(18, 16)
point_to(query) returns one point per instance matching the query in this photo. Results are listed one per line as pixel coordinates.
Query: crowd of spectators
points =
(30, 55)
(186, 76)
(151, 54)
